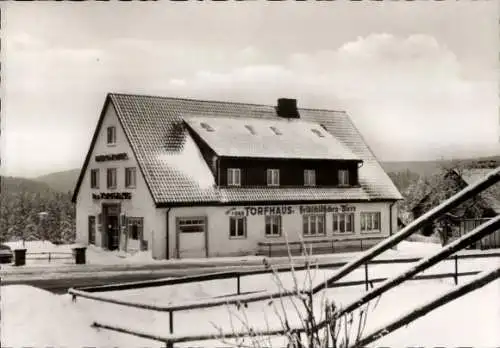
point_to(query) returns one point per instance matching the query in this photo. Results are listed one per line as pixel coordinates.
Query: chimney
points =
(287, 108)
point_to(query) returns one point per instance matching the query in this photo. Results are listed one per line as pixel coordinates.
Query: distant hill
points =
(65, 181)
(426, 168)
(11, 184)
(61, 181)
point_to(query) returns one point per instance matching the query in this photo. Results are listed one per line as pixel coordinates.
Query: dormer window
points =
(317, 132)
(233, 177)
(276, 130)
(309, 177)
(111, 135)
(273, 177)
(206, 127)
(343, 177)
(250, 129)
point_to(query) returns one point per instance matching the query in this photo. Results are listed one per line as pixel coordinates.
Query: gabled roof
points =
(176, 173)
(234, 136)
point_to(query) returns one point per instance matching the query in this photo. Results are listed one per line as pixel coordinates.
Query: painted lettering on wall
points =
(112, 195)
(326, 208)
(289, 210)
(111, 157)
(266, 210)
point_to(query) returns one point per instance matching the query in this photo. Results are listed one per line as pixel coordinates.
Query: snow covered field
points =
(47, 319)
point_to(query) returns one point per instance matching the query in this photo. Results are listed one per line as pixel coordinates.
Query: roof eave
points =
(268, 202)
(91, 148)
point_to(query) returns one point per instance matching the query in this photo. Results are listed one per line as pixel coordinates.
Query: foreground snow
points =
(46, 319)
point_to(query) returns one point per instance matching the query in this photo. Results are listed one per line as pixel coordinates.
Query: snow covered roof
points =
(154, 127)
(268, 138)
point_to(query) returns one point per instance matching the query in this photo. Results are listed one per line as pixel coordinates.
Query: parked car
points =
(5, 254)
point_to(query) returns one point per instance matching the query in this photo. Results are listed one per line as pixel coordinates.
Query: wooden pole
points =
(483, 279)
(452, 202)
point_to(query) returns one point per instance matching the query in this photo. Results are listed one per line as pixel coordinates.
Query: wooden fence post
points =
(456, 269)
(238, 284)
(171, 321)
(361, 244)
(366, 276)
(49, 256)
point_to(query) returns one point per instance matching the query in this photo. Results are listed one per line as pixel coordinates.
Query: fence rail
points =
(50, 255)
(454, 201)
(328, 243)
(236, 300)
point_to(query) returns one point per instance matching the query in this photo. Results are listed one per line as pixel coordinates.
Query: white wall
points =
(141, 203)
(218, 227)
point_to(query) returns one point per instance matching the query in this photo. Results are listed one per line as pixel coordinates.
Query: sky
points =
(419, 79)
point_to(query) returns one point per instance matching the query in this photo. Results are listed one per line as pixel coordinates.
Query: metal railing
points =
(50, 255)
(328, 243)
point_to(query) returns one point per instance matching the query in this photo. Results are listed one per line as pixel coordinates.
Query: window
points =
(343, 223)
(135, 227)
(313, 225)
(130, 177)
(111, 178)
(92, 227)
(276, 130)
(273, 225)
(273, 177)
(343, 177)
(94, 178)
(370, 222)
(111, 138)
(309, 177)
(206, 126)
(191, 225)
(250, 129)
(233, 176)
(317, 132)
(237, 227)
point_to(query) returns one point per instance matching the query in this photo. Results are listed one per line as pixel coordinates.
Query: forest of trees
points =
(22, 201)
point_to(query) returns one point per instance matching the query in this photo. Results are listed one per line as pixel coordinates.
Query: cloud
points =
(406, 93)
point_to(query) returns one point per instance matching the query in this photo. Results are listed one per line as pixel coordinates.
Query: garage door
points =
(191, 232)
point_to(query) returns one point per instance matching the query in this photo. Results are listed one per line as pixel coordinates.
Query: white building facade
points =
(149, 182)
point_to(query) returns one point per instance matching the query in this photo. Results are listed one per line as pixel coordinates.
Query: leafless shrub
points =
(303, 322)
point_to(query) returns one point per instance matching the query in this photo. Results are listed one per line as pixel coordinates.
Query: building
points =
(471, 213)
(192, 178)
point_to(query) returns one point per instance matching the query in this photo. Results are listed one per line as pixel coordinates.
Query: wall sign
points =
(112, 195)
(290, 210)
(111, 157)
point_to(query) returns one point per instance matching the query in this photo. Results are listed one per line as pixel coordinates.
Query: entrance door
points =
(191, 237)
(112, 225)
(113, 232)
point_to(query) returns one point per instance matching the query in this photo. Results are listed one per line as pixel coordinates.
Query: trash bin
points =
(19, 257)
(79, 253)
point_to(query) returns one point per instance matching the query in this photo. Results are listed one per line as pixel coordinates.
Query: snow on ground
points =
(453, 324)
(33, 317)
(47, 319)
(99, 256)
